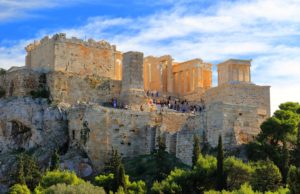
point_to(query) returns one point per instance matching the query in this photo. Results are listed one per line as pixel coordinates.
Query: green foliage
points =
(107, 182)
(247, 189)
(19, 189)
(237, 173)
(221, 182)
(202, 177)
(120, 178)
(296, 151)
(82, 188)
(20, 177)
(266, 176)
(285, 163)
(144, 167)
(160, 155)
(278, 135)
(58, 177)
(54, 165)
(294, 180)
(196, 150)
(28, 171)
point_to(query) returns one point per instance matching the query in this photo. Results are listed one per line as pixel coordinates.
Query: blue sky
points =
(266, 31)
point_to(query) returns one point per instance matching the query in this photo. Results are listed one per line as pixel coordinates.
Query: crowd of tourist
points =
(163, 104)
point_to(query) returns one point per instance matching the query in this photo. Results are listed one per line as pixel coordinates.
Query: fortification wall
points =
(241, 94)
(238, 124)
(73, 55)
(132, 133)
(73, 88)
(20, 82)
(41, 55)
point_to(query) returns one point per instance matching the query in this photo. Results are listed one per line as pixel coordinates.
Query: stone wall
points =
(40, 55)
(241, 94)
(73, 88)
(131, 132)
(73, 55)
(238, 124)
(20, 82)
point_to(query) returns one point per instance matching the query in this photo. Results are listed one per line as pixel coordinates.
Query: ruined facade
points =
(81, 76)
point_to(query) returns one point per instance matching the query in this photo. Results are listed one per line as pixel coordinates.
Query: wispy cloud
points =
(268, 31)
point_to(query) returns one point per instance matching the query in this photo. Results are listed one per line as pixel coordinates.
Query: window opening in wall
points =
(240, 114)
(73, 134)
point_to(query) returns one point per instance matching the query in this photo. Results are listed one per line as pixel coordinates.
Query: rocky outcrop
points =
(29, 125)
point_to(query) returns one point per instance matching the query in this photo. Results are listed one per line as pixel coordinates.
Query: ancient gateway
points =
(84, 77)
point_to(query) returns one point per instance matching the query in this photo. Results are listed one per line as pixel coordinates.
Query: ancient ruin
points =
(125, 100)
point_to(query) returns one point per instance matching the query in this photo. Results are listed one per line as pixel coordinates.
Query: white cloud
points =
(258, 29)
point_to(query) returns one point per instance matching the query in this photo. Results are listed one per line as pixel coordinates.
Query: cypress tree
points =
(196, 150)
(121, 181)
(55, 161)
(20, 171)
(161, 159)
(221, 182)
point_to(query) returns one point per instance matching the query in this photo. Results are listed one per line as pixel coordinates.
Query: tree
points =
(121, 182)
(237, 173)
(82, 188)
(266, 176)
(163, 169)
(221, 181)
(58, 177)
(294, 180)
(20, 171)
(277, 131)
(285, 163)
(196, 150)
(55, 161)
(296, 152)
(19, 189)
(28, 171)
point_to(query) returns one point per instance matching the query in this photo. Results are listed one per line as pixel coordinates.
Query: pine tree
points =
(196, 150)
(55, 161)
(20, 171)
(285, 163)
(221, 182)
(297, 149)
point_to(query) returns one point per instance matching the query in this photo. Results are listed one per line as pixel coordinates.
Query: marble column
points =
(184, 82)
(179, 83)
(192, 79)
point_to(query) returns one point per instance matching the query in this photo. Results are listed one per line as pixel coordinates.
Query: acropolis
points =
(84, 77)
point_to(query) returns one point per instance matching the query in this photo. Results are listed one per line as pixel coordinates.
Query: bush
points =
(82, 188)
(58, 177)
(237, 173)
(266, 176)
(294, 179)
(19, 189)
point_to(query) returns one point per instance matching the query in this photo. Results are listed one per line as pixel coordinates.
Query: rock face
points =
(26, 123)
(29, 125)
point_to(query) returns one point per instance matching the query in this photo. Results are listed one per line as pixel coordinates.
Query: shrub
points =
(58, 177)
(266, 176)
(19, 189)
(82, 188)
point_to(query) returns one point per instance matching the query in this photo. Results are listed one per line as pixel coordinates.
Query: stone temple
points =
(82, 77)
